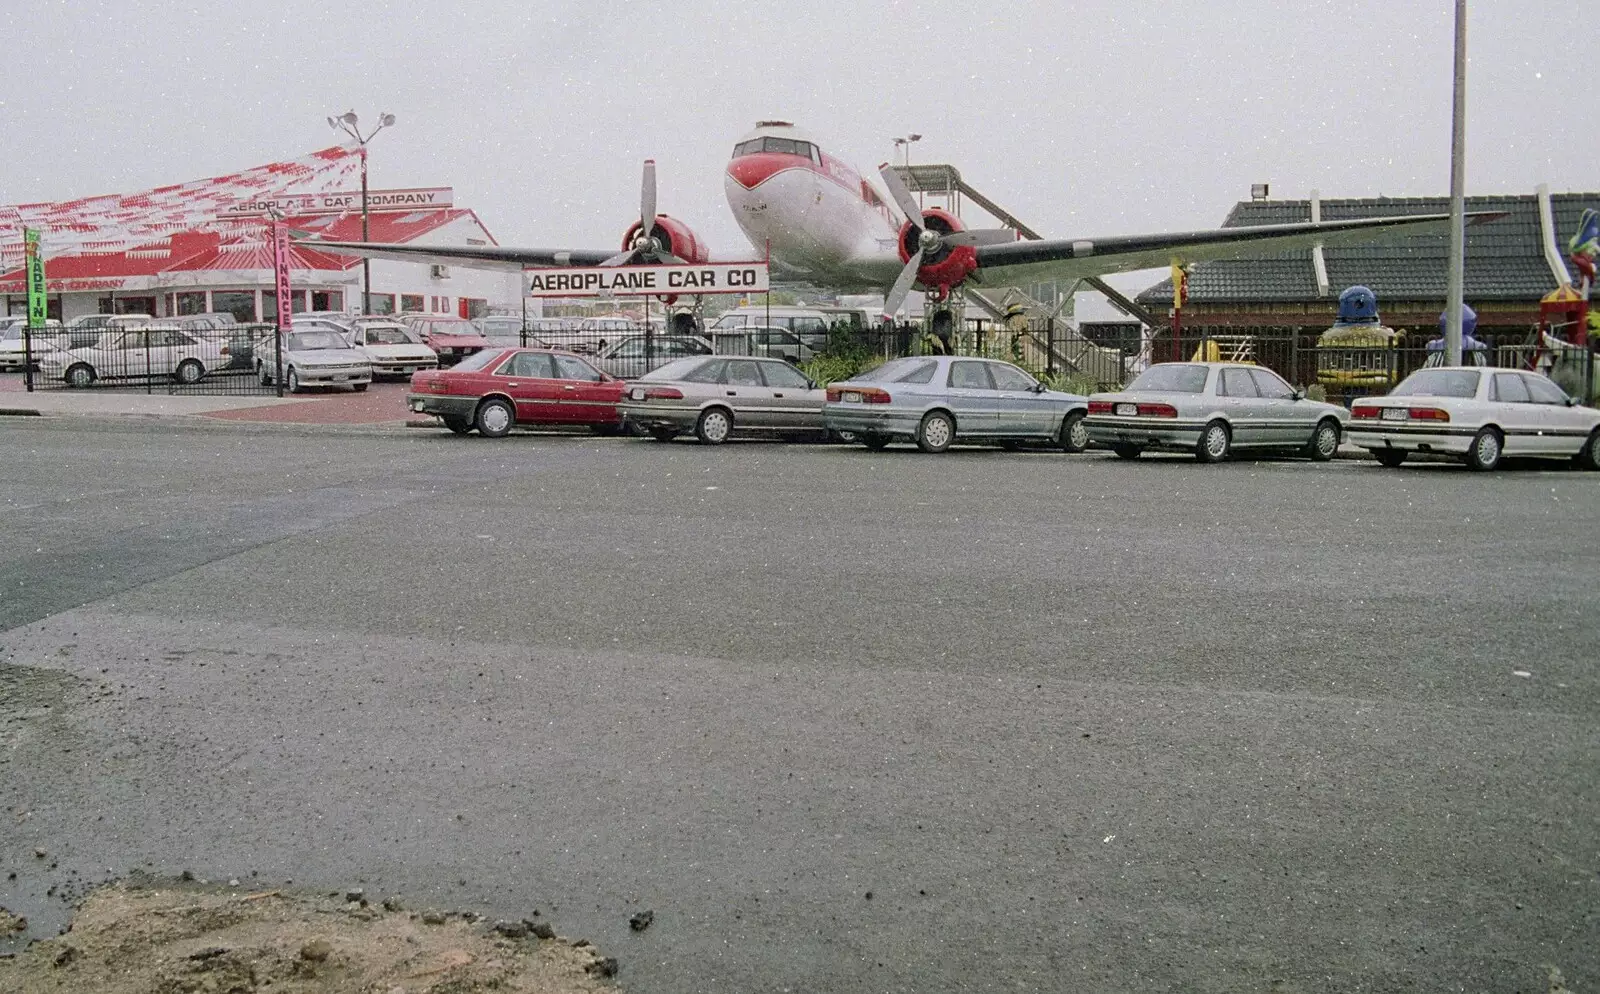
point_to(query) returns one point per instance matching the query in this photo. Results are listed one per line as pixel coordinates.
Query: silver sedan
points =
(1210, 409)
(937, 401)
(718, 396)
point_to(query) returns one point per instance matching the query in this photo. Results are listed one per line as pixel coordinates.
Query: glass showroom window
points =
(410, 302)
(240, 303)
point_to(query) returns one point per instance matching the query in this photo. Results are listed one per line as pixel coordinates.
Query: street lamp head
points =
(348, 118)
(333, 124)
(385, 120)
(913, 138)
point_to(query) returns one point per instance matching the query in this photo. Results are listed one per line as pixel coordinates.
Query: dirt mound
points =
(183, 939)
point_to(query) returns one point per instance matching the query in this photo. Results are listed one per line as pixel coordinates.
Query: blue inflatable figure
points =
(1473, 351)
(1358, 351)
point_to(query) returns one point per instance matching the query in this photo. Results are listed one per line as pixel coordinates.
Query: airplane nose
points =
(750, 171)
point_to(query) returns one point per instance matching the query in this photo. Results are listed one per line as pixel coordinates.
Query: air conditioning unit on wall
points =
(439, 272)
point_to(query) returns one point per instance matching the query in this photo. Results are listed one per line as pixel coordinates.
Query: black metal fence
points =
(155, 358)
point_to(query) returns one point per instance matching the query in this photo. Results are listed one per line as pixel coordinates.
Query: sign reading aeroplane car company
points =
(646, 281)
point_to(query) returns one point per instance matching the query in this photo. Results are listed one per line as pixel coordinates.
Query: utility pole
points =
(1456, 284)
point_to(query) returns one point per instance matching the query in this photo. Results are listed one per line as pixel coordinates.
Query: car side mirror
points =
(811, 384)
(1572, 402)
(1039, 388)
(1298, 394)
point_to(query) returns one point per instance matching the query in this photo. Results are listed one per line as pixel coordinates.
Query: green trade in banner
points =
(35, 267)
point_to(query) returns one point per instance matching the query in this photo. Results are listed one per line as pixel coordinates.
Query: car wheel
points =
(714, 426)
(936, 432)
(843, 437)
(261, 374)
(292, 381)
(80, 375)
(1324, 441)
(1390, 457)
(663, 434)
(1214, 443)
(1484, 455)
(1126, 450)
(457, 423)
(1074, 433)
(876, 443)
(190, 371)
(360, 387)
(495, 418)
(1588, 457)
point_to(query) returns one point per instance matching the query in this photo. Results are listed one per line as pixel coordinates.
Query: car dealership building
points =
(206, 246)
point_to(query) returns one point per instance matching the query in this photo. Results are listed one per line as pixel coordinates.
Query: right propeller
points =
(930, 241)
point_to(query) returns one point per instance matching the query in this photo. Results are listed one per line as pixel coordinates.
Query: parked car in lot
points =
(629, 358)
(208, 319)
(1478, 414)
(719, 396)
(497, 389)
(505, 330)
(937, 401)
(14, 351)
(391, 349)
(451, 339)
(98, 323)
(313, 359)
(1211, 409)
(145, 352)
(766, 341)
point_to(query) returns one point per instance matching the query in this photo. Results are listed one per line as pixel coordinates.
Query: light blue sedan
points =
(937, 401)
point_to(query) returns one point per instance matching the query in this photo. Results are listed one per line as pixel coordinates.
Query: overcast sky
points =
(1084, 118)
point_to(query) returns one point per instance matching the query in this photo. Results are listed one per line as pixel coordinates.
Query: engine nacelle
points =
(675, 237)
(948, 266)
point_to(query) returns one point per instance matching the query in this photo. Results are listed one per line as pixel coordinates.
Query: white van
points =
(809, 324)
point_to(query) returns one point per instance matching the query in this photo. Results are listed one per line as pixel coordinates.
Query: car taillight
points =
(834, 393)
(663, 393)
(1364, 412)
(873, 395)
(1100, 407)
(1157, 411)
(1428, 414)
(226, 350)
(438, 384)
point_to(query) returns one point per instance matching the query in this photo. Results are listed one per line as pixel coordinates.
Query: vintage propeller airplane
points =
(820, 223)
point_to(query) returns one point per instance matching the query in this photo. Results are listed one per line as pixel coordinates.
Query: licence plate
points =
(340, 377)
(1127, 410)
(852, 397)
(1393, 414)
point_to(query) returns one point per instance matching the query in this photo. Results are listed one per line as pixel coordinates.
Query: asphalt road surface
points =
(843, 721)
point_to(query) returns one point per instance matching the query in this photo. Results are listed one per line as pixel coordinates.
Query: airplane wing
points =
(501, 257)
(1012, 263)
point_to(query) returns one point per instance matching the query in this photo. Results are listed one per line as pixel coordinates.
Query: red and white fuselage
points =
(813, 215)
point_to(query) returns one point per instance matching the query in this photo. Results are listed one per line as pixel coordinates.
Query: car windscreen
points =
(387, 336)
(311, 340)
(1438, 383)
(674, 370)
(478, 360)
(895, 371)
(1174, 377)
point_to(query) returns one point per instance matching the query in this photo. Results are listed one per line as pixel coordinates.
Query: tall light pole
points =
(1456, 283)
(347, 123)
(904, 144)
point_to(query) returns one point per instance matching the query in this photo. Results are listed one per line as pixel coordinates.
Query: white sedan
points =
(1479, 415)
(313, 359)
(392, 349)
(144, 352)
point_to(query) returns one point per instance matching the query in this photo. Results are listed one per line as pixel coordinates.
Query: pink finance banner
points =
(280, 266)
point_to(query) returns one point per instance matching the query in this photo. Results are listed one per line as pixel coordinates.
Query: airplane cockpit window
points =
(786, 146)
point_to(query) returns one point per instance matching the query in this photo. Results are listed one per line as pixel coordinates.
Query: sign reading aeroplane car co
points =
(644, 281)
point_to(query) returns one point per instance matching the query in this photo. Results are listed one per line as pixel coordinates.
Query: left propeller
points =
(646, 245)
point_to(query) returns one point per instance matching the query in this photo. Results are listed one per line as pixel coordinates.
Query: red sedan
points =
(499, 388)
